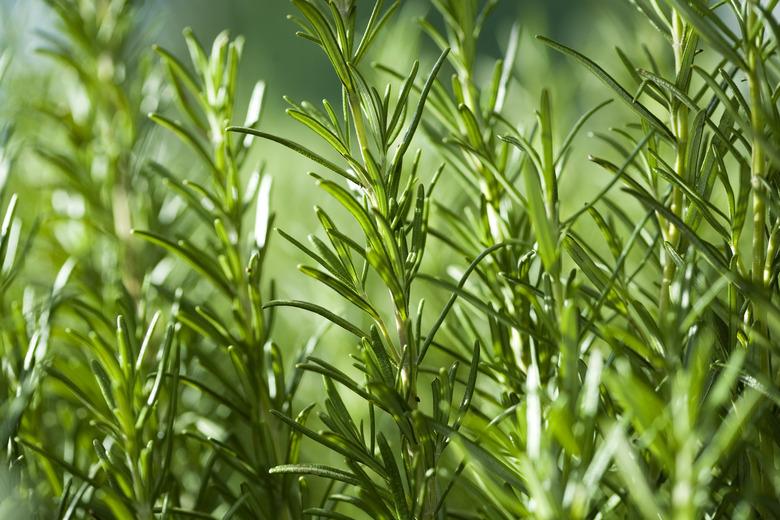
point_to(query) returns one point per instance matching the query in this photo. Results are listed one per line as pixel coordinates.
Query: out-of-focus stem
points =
(679, 114)
(757, 159)
(759, 245)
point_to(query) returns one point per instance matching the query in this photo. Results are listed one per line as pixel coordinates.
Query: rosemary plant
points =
(388, 201)
(99, 130)
(249, 379)
(108, 461)
(604, 356)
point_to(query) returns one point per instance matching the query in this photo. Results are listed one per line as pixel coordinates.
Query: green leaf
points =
(318, 128)
(373, 27)
(633, 476)
(710, 26)
(468, 392)
(733, 426)
(184, 85)
(342, 288)
(545, 229)
(610, 82)
(707, 209)
(193, 256)
(454, 295)
(325, 313)
(548, 164)
(185, 135)
(330, 442)
(318, 470)
(394, 478)
(327, 40)
(73, 470)
(104, 382)
(709, 251)
(151, 399)
(406, 140)
(656, 17)
(302, 150)
(488, 460)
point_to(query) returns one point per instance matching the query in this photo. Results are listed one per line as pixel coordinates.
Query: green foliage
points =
(584, 356)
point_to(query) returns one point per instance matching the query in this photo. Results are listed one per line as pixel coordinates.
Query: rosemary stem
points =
(679, 115)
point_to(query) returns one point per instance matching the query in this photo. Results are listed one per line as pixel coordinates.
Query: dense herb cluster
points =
(617, 360)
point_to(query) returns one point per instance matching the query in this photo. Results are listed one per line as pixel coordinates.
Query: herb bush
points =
(584, 353)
